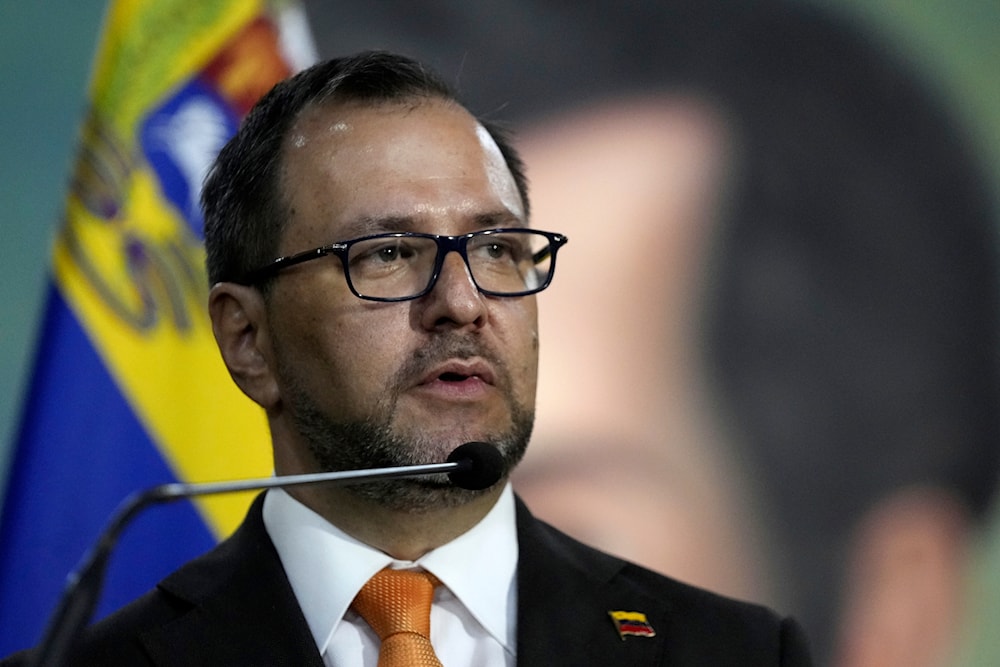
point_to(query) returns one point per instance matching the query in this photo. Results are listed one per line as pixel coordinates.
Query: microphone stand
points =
(83, 585)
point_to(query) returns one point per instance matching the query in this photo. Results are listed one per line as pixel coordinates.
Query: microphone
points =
(480, 466)
(473, 466)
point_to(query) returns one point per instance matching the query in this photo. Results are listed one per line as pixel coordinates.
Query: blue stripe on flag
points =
(79, 453)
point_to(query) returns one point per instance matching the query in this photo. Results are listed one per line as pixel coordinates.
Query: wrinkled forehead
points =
(350, 160)
(387, 121)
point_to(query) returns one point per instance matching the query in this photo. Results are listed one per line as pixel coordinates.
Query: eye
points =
(383, 252)
(386, 253)
(497, 249)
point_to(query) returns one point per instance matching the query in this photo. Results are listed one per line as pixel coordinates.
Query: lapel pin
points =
(631, 623)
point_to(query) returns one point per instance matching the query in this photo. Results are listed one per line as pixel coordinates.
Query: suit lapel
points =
(242, 611)
(565, 594)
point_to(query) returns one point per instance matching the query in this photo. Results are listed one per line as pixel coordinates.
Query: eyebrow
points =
(502, 218)
(371, 224)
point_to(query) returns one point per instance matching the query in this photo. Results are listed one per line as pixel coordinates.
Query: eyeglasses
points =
(406, 265)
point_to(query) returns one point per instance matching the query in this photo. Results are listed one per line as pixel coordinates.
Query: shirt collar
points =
(326, 567)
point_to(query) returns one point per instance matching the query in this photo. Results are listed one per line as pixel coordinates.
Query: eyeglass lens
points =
(401, 266)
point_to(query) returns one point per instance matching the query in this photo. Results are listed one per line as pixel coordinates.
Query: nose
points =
(454, 301)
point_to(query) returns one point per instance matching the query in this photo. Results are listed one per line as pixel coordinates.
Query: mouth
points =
(459, 371)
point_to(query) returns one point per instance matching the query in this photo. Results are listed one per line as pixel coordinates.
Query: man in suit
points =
(370, 343)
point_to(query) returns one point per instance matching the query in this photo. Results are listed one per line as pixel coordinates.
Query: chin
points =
(417, 496)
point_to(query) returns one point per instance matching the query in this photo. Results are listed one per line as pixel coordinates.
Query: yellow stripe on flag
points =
(128, 263)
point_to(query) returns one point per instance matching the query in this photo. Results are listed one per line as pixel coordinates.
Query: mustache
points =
(442, 348)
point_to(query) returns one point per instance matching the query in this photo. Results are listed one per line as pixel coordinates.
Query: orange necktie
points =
(397, 605)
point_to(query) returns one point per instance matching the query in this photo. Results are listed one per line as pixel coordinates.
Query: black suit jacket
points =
(234, 606)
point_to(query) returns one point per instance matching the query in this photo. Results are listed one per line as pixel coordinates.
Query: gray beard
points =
(372, 443)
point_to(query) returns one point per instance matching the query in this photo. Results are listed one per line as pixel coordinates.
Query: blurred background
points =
(827, 506)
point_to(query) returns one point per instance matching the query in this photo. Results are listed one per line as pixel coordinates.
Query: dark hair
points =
(243, 204)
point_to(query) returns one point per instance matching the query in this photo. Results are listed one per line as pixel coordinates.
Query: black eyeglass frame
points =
(445, 245)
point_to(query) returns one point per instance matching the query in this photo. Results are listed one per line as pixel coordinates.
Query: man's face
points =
(365, 383)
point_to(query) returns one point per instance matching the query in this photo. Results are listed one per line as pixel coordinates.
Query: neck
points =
(402, 534)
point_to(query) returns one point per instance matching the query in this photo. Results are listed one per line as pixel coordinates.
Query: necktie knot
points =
(397, 606)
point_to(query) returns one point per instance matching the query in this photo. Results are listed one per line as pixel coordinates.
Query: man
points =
(368, 344)
(814, 267)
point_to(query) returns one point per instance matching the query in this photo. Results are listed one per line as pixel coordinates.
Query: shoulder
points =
(232, 605)
(694, 625)
(118, 638)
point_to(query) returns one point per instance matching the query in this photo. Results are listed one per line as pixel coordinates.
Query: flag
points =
(631, 624)
(128, 389)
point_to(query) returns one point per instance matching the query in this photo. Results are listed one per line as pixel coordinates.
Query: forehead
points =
(420, 162)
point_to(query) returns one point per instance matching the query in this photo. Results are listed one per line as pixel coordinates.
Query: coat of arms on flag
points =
(128, 388)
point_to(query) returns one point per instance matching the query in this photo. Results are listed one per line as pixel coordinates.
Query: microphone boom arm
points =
(83, 585)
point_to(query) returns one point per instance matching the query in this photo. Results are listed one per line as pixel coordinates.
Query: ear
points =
(905, 582)
(239, 322)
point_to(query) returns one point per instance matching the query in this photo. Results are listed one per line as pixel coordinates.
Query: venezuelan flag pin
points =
(632, 623)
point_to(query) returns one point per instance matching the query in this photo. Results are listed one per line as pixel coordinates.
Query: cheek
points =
(371, 353)
(338, 352)
(520, 329)
(367, 351)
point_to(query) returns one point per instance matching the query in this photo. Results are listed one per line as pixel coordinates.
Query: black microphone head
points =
(481, 466)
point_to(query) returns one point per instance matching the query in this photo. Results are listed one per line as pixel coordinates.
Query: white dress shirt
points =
(474, 615)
